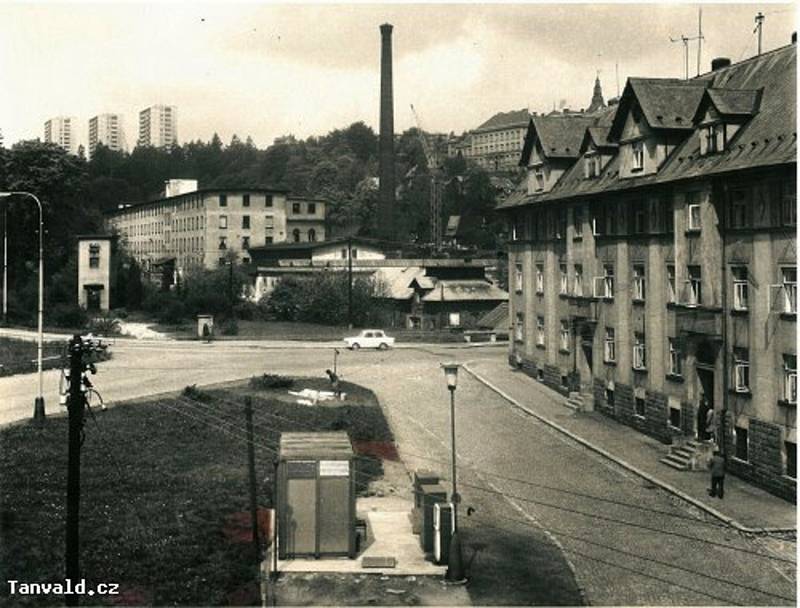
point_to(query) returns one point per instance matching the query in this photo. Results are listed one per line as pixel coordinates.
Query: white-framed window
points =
(638, 282)
(609, 346)
(637, 156)
(223, 222)
(695, 285)
(454, 319)
(564, 335)
(591, 165)
(540, 331)
(639, 351)
(739, 287)
(741, 370)
(671, 284)
(608, 281)
(695, 221)
(578, 282)
(712, 138)
(518, 277)
(577, 220)
(789, 280)
(790, 378)
(675, 358)
(539, 278)
(519, 327)
(564, 279)
(538, 176)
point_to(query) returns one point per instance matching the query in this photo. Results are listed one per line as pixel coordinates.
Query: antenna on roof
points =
(759, 26)
(699, 37)
(616, 65)
(686, 40)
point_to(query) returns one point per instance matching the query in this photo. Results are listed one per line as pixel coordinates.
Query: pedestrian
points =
(334, 382)
(702, 413)
(710, 430)
(717, 475)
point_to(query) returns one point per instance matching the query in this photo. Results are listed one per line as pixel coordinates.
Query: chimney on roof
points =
(794, 37)
(719, 62)
(613, 101)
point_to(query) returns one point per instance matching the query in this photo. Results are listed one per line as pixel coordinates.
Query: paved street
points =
(628, 541)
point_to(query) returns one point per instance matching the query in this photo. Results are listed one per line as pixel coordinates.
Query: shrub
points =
(229, 327)
(67, 315)
(247, 311)
(104, 325)
(195, 394)
(268, 381)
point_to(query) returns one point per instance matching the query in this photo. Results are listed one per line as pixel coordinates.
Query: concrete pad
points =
(389, 535)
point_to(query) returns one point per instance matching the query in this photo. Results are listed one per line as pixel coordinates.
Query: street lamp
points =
(455, 566)
(38, 407)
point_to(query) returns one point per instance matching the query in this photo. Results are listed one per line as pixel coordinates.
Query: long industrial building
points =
(652, 261)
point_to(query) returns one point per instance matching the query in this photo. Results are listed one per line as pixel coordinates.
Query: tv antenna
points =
(759, 26)
(687, 39)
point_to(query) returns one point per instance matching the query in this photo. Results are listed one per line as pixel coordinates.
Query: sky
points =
(265, 70)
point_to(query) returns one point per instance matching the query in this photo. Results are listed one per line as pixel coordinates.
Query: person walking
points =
(710, 425)
(717, 475)
(334, 378)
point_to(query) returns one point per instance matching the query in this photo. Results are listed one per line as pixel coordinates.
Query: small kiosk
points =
(316, 495)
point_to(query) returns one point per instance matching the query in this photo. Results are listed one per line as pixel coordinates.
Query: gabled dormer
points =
(720, 115)
(596, 150)
(653, 118)
(552, 145)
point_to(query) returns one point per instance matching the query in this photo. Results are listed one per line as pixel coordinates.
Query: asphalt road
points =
(533, 491)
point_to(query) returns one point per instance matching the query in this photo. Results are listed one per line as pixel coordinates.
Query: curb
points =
(626, 465)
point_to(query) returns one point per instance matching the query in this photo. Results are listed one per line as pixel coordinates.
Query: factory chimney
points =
(386, 142)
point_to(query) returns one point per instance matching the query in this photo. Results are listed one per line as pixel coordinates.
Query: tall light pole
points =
(455, 564)
(38, 407)
(5, 263)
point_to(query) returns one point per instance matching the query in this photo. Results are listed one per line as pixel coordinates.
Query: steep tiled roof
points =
(599, 137)
(464, 289)
(733, 102)
(505, 120)
(561, 136)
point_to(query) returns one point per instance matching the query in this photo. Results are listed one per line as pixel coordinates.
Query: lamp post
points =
(455, 564)
(38, 407)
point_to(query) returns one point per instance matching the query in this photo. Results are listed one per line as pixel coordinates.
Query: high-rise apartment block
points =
(158, 126)
(106, 129)
(61, 130)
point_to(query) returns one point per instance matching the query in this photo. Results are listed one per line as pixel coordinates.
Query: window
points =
(712, 138)
(739, 287)
(312, 208)
(268, 200)
(638, 401)
(577, 221)
(591, 165)
(639, 216)
(295, 207)
(606, 282)
(739, 212)
(539, 278)
(561, 224)
(578, 286)
(94, 255)
(788, 207)
(223, 222)
(540, 331)
(245, 200)
(564, 282)
(223, 200)
(354, 253)
(564, 335)
(246, 222)
(610, 394)
(269, 239)
(675, 358)
(519, 327)
(695, 284)
(344, 254)
(312, 235)
(245, 242)
(639, 351)
(741, 443)
(693, 211)
(637, 156)
(638, 282)
(223, 242)
(454, 319)
(609, 346)
(518, 277)
(789, 275)
(791, 458)
(741, 370)
(538, 176)
(671, 283)
(674, 412)
(790, 378)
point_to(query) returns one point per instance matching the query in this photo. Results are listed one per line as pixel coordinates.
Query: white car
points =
(370, 338)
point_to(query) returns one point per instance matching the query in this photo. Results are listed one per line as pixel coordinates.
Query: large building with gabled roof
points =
(653, 271)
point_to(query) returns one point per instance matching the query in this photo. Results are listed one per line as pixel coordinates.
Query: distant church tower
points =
(597, 97)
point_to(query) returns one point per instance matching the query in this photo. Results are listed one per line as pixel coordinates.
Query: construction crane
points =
(436, 186)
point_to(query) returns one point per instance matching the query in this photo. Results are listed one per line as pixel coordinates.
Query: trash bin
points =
(443, 528)
(431, 495)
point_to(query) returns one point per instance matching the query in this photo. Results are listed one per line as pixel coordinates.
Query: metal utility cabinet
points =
(316, 495)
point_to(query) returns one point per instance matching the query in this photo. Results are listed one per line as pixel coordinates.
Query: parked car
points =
(370, 338)
(93, 342)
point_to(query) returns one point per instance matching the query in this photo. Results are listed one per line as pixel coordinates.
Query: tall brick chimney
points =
(386, 142)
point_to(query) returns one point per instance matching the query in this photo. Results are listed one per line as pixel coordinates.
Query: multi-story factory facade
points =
(653, 270)
(209, 227)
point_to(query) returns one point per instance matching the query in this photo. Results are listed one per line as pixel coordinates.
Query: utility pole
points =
(759, 27)
(251, 467)
(350, 282)
(75, 406)
(5, 263)
(230, 286)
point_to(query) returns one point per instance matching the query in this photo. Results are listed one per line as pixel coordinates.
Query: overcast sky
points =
(267, 70)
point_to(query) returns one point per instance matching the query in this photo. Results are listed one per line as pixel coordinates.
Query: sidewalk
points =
(745, 506)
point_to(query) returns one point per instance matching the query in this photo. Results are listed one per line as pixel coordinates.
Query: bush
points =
(229, 327)
(67, 315)
(248, 311)
(268, 381)
(173, 313)
(195, 394)
(121, 313)
(105, 325)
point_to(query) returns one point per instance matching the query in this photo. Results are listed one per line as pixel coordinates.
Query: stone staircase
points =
(575, 401)
(689, 456)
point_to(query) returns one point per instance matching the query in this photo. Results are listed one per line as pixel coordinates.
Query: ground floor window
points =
(610, 394)
(741, 443)
(454, 319)
(674, 413)
(638, 400)
(791, 459)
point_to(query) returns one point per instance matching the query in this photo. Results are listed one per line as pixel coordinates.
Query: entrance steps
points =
(689, 456)
(575, 401)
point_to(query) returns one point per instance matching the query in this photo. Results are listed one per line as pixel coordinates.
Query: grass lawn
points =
(164, 497)
(19, 356)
